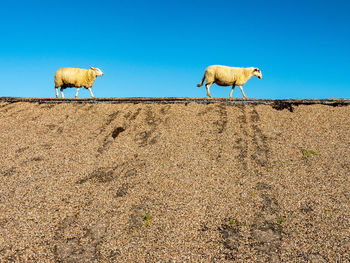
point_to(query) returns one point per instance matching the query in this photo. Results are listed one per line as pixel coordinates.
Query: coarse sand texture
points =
(179, 182)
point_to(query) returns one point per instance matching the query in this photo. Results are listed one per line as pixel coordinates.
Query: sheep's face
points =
(257, 73)
(98, 71)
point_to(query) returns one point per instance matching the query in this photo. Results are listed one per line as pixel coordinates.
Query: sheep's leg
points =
(208, 92)
(92, 95)
(243, 92)
(62, 96)
(76, 93)
(56, 89)
(233, 87)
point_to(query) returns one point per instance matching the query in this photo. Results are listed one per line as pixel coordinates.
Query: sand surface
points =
(187, 182)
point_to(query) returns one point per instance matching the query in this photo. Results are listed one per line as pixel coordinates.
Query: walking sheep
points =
(227, 76)
(76, 77)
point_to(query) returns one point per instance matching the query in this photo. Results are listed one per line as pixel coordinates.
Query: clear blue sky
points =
(161, 48)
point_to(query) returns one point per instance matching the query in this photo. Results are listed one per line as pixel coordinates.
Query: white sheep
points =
(228, 76)
(76, 77)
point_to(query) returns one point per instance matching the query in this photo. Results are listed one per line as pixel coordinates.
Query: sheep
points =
(227, 76)
(76, 77)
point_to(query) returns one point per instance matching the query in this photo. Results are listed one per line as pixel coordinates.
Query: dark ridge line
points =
(278, 104)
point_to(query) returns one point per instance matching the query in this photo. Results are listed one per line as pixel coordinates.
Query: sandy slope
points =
(174, 183)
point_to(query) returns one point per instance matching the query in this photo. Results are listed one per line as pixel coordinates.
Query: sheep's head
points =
(257, 73)
(97, 71)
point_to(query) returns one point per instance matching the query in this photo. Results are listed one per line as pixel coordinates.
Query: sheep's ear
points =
(92, 68)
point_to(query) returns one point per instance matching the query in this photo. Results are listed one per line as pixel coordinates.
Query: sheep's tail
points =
(200, 84)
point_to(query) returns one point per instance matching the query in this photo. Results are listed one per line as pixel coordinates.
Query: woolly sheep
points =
(76, 77)
(227, 76)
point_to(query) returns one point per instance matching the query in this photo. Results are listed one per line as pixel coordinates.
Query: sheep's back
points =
(71, 76)
(227, 76)
(223, 75)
